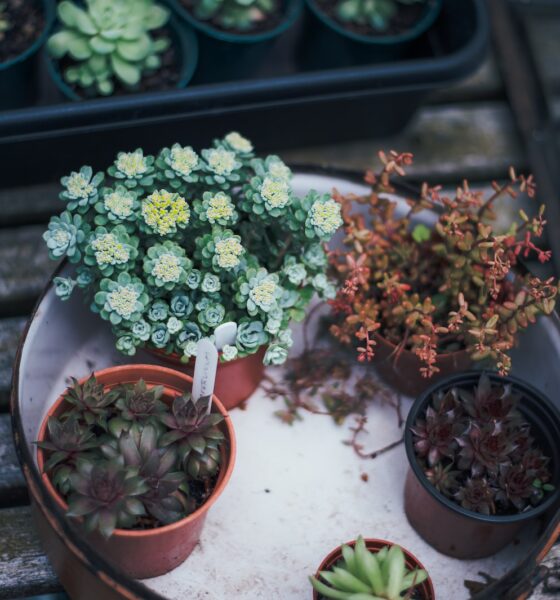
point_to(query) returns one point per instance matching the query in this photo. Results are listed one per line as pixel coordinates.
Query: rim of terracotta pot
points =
(220, 484)
(174, 358)
(377, 544)
(552, 417)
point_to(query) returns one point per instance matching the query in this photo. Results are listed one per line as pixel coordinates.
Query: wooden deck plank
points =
(449, 142)
(10, 332)
(24, 268)
(12, 484)
(24, 568)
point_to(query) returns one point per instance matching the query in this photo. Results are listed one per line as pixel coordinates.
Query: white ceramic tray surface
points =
(296, 491)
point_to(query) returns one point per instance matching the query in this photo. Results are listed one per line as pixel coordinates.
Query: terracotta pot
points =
(149, 553)
(426, 589)
(446, 525)
(236, 380)
(403, 371)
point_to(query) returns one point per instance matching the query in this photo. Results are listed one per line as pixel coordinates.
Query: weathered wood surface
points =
(24, 568)
(12, 483)
(24, 268)
(10, 332)
(449, 142)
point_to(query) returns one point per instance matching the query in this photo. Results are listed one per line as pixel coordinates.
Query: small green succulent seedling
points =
(109, 41)
(5, 24)
(240, 15)
(122, 458)
(378, 14)
(364, 575)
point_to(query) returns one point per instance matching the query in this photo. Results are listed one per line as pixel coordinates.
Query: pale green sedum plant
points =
(109, 41)
(241, 15)
(378, 14)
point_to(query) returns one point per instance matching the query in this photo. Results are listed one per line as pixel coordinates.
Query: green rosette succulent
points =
(267, 195)
(108, 42)
(64, 236)
(118, 205)
(111, 250)
(133, 169)
(235, 142)
(81, 189)
(123, 299)
(166, 265)
(205, 237)
(178, 165)
(216, 209)
(221, 167)
(220, 250)
(376, 14)
(241, 15)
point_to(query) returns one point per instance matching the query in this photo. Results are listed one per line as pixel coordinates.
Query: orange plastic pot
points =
(425, 589)
(401, 369)
(152, 552)
(236, 380)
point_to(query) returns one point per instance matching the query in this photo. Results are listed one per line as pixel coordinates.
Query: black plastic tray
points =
(282, 106)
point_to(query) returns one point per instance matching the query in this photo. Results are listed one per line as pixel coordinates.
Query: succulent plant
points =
(241, 15)
(476, 448)
(432, 291)
(196, 434)
(106, 496)
(168, 247)
(361, 574)
(109, 42)
(376, 14)
(67, 439)
(121, 457)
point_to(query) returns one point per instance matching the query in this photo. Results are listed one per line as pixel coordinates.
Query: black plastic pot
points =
(227, 55)
(462, 533)
(18, 77)
(328, 37)
(280, 106)
(182, 36)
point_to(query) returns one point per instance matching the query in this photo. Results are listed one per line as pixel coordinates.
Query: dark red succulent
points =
(477, 495)
(444, 479)
(489, 402)
(516, 486)
(91, 400)
(484, 449)
(435, 436)
(140, 402)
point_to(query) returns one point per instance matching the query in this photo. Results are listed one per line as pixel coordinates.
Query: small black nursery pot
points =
(18, 74)
(444, 523)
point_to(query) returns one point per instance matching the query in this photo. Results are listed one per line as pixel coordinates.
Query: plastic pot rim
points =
(470, 378)
(49, 14)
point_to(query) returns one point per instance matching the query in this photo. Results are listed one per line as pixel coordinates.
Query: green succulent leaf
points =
(128, 73)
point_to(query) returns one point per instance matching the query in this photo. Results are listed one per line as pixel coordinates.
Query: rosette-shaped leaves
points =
(216, 209)
(111, 250)
(178, 165)
(166, 265)
(241, 15)
(377, 15)
(196, 435)
(221, 167)
(133, 169)
(117, 205)
(106, 496)
(81, 189)
(91, 399)
(477, 495)
(65, 235)
(108, 42)
(164, 213)
(123, 299)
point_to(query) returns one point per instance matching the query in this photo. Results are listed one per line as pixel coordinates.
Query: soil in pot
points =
(495, 472)
(21, 23)
(405, 19)
(425, 591)
(149, 548)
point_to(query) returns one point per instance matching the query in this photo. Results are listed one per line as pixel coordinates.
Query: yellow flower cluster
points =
(228, 252)
(109, 251)
(123, 301)
(167, 268)
(183, 160)
(163, 211)
(219, 207)
(132, 164)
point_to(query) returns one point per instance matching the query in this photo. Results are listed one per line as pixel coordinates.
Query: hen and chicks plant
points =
(432, 290)
(365, 575)
(122, 458)
(168, 247)
(477, 449)
(109, 42)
